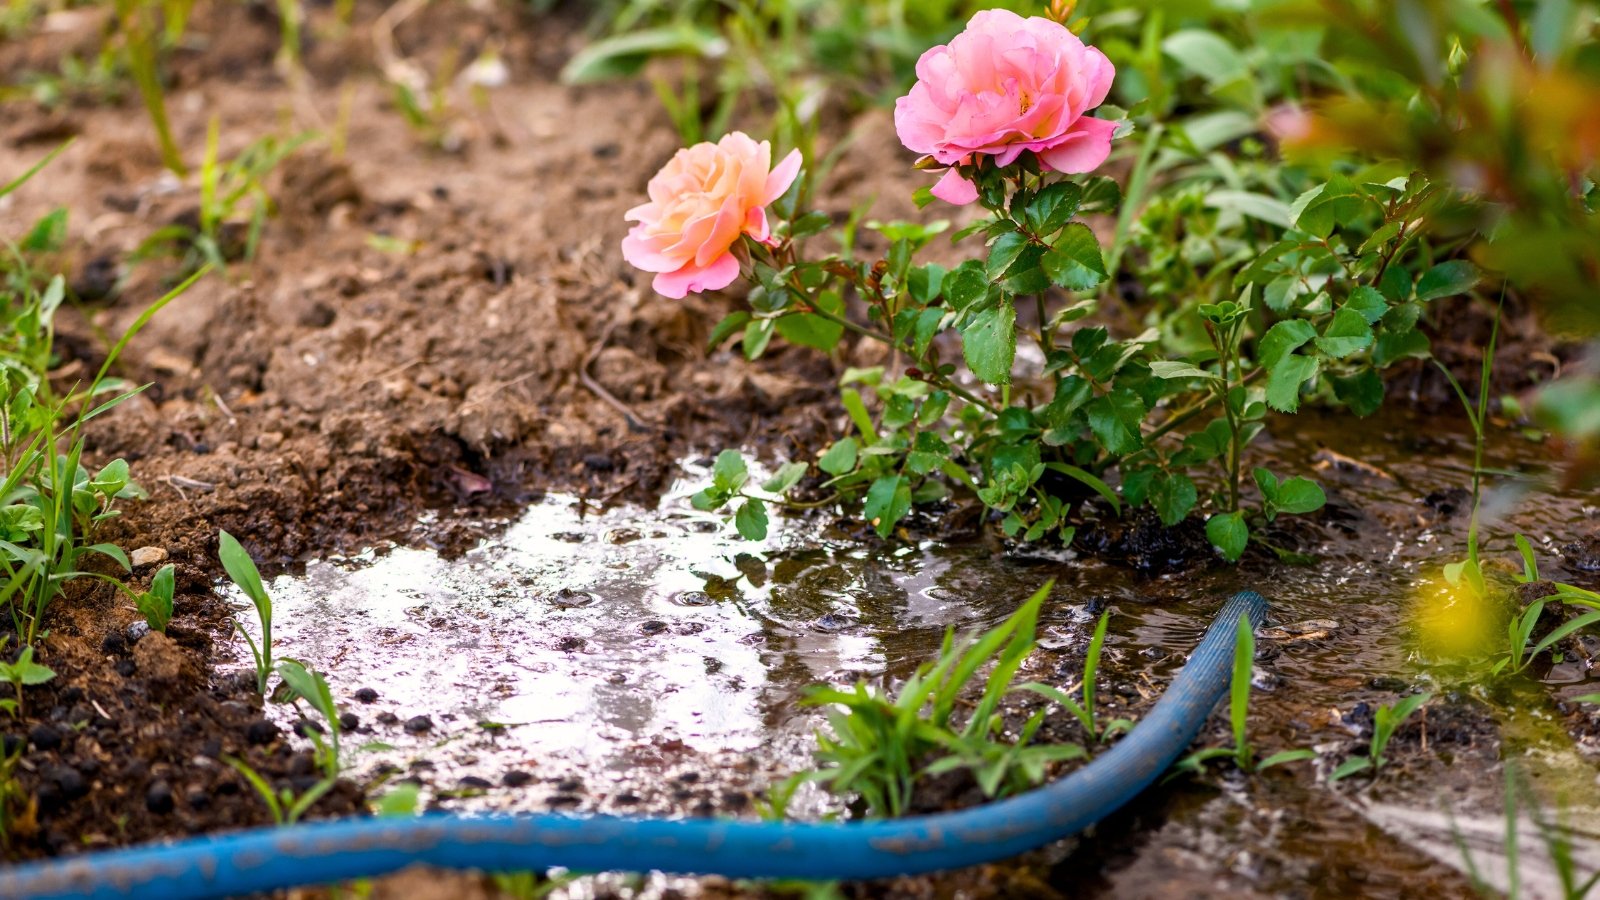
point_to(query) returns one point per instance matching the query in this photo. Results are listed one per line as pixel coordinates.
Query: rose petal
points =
(1082, 149)
(694, 279)
(952, 188)
(783, 175)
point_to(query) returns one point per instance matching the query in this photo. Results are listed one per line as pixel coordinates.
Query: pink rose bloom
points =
(1004, 85)
(701, 201)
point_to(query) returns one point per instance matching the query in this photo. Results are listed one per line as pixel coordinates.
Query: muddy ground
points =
(428, 340)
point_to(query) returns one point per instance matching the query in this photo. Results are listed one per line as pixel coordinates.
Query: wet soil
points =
(438, 334)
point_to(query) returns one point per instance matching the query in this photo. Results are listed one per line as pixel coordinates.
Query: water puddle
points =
(629, 659)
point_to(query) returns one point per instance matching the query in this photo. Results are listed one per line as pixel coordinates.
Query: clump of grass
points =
(884, 744)
(234, 206)
(1385, 719)
(51, 501)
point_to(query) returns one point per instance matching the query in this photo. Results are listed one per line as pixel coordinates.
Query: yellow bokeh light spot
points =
(1454, 620)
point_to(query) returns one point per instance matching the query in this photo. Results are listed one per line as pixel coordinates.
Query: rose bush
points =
(1090, 424)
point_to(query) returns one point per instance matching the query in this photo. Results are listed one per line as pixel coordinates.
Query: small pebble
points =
(349, 721)
(158, 798)
(516, 778)
(261, 732)
(473, 782)
(367, 695)
(147, 556)
(305, 727)
(654, 626)
(137, 630)
(197, 798)
(387, 718)
(69, 780)
(44, 737)
(419, 724)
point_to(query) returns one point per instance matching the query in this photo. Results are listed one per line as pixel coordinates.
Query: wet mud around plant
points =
(459, 435)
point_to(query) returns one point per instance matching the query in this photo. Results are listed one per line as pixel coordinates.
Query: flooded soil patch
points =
(649, 661)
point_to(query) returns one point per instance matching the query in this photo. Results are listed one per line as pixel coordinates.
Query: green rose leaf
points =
(1447, 279)
(1348, 333)
(1283, 384)
(1369, 303)
(1075, 261)
(1173, 495)
(1165, 369)
(989, 343)
(965, 286)
(1362, 392)
(1115, 419)
(1398, 345)
(1283, 339)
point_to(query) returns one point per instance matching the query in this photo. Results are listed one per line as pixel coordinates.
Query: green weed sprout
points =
(1242, 753)
(226, 189)
(242, 571)
(882, 745)
(1385, 719)
(22, 672)
(1084, 711)
(284, 805)
(17, 804)
(156, 604)
(310, 686)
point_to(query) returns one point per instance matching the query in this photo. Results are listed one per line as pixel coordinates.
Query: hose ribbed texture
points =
(332, 851)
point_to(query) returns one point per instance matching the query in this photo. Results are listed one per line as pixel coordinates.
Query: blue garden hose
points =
(333, 851)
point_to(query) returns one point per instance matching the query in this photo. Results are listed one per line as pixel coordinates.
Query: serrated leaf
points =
(989, 343)
(1074, 261)
(1115, 419)
(1347, 333)
(1053, 207)
(1173, 495)
(1393, 346)
(1283, 339)
(1362, 392)
(965, 286)
(1284, 381)
(1369, 303)
(1004, 253)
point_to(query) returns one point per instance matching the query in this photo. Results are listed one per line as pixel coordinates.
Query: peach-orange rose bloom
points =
(701, 201)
